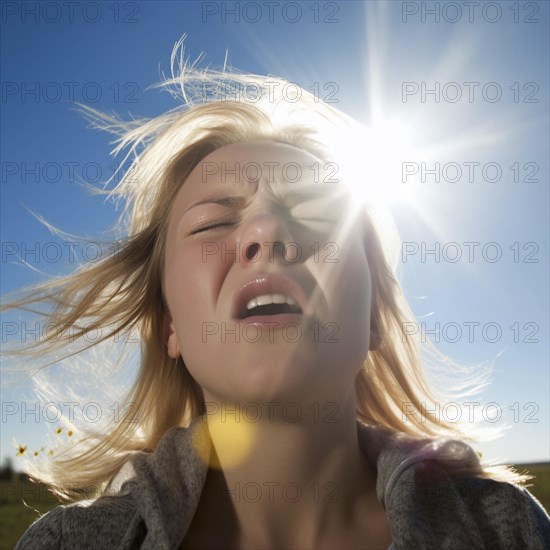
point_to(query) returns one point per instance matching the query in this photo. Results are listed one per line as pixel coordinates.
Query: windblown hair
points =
(125, 289)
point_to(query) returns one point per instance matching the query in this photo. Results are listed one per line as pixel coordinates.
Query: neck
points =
(290, 476)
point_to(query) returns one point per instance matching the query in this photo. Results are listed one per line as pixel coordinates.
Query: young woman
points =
(268, 410)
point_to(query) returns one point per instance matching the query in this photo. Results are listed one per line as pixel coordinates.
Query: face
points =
(266, 279)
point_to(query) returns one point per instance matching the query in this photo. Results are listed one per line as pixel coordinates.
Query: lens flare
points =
(232, 439)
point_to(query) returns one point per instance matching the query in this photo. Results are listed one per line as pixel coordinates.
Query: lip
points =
(269, 283)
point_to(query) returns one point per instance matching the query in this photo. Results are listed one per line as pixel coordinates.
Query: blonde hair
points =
(125, 289)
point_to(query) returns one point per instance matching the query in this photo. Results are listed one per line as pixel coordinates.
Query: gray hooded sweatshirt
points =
(151, 501)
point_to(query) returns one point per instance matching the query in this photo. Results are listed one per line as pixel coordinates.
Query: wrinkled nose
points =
(265, 235)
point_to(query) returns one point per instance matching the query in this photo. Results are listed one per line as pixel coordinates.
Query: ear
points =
(169, 337)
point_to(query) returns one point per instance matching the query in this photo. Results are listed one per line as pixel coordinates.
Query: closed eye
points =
(211, 226)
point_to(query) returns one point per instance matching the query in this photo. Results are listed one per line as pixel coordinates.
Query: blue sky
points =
(362, 54)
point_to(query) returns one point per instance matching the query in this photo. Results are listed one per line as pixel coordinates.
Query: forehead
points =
(260, 151)
(245, 164)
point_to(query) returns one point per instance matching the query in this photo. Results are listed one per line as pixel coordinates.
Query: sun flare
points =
(374, 161)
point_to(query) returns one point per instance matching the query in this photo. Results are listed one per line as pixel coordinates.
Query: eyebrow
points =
(231, 201)
(238, 201)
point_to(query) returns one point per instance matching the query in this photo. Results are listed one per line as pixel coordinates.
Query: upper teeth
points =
(266, 299)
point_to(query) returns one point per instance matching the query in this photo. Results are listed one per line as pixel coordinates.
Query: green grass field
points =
(15, 517)
(540, 486)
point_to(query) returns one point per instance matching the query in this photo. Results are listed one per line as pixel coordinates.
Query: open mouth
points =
(269, 295)
(276, 304)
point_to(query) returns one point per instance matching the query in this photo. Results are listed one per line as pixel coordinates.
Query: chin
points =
(300, 377)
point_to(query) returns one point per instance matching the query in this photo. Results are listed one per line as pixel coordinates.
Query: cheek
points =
(346, 284)
(192, 289)
(187, 289)
(345, 274)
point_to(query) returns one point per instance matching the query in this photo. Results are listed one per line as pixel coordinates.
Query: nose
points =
(265, 236)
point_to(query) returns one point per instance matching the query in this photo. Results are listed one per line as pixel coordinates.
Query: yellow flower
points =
(70, 433)
(35, 453)
(21, 450)
(58, 431)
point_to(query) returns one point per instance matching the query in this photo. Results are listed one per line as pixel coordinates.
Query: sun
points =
(373, 161)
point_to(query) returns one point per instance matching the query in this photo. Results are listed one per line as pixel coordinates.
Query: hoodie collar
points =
(169, 481)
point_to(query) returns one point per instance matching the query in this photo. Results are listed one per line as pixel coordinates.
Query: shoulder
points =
(98, 523)
(494, 514)
(103, 523)
(44, 533)
(506, 512)
(436, 492)
(138, 504)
